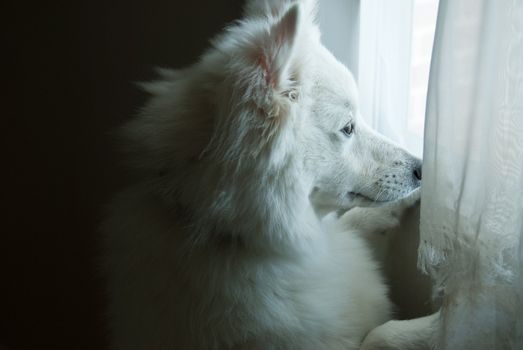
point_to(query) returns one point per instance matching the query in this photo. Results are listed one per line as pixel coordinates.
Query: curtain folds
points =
(472, 202)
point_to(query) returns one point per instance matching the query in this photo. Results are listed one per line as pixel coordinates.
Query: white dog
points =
(221, 244)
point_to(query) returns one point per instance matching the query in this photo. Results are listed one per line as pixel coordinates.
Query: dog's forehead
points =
(335, 89)
(335, 79)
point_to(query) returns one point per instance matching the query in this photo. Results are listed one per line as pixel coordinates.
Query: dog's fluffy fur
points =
(221, 244)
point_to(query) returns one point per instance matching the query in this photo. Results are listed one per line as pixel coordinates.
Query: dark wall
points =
(68, 72)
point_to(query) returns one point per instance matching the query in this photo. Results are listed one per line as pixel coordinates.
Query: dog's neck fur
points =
(242, 178)
(285, 222)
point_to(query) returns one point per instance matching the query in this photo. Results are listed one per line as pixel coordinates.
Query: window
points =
(387, 45)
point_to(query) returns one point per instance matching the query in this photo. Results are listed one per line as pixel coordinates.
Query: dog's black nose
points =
(417, 171)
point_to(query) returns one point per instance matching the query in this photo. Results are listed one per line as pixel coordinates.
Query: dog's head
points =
(269, 100)
(292, 101)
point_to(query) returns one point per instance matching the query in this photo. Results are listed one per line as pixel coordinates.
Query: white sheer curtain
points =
(472, 191)
(472, 202)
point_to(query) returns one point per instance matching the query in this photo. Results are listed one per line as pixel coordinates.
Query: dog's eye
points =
(348, 129)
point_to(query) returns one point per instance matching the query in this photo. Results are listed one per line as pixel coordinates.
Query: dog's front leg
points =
(375, 224)
(416, 334)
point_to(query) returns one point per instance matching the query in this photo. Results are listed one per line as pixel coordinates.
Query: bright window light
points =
(423, 29)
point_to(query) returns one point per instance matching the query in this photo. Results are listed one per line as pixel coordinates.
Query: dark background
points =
(67, 84)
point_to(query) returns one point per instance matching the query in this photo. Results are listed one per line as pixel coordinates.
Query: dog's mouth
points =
(362, 200)
(358, 195)
(361, 196)
(358, 199)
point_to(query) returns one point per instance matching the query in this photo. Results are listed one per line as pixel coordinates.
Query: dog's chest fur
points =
(218, 295)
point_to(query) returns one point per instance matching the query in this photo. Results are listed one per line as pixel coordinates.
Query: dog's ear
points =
(276, 51)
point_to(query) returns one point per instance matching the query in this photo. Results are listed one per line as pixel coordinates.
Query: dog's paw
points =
(397, 208)
(377, 339)
(381, 218)
(370, 219)
(414, 334)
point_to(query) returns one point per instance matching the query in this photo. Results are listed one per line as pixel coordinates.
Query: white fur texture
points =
(220, 245)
